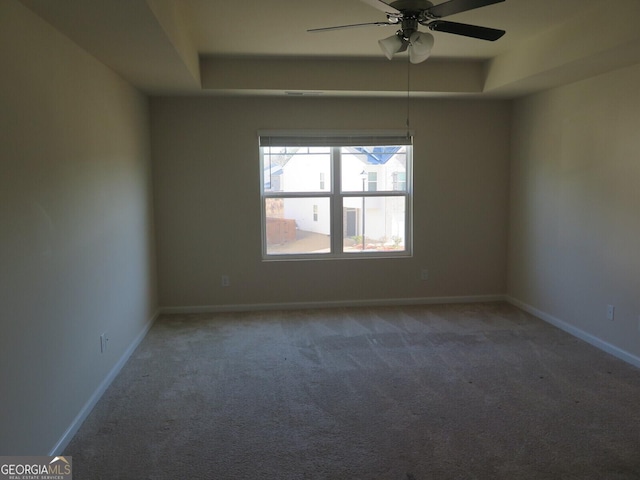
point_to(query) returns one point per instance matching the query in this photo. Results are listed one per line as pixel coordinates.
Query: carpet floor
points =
(473, 391)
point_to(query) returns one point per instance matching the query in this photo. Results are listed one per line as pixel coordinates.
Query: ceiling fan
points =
(410, 14)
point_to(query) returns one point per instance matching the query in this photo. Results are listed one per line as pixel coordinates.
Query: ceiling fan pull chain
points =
(408, 95)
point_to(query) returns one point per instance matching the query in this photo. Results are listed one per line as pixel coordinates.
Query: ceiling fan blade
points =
(380, 5)
(473, 31)
(355, 25)
(457, 6)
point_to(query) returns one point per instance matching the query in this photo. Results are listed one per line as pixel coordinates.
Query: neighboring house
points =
(370, 169)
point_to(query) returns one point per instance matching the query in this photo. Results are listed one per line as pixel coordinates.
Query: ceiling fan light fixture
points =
(420, 45)
(390, 45)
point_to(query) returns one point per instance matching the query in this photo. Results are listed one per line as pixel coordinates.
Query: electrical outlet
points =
(104, 342)
(424, 274)
(225, 281)
(611, 310)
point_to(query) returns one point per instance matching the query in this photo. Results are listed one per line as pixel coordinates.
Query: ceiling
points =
(261, 47)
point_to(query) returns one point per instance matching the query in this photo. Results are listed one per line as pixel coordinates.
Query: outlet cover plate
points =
(611, 310)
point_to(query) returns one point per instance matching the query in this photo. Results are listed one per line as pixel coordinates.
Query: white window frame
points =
(336, 140)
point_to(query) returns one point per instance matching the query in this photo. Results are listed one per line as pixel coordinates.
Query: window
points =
(399, 181)
(372, 181)
(360, 207)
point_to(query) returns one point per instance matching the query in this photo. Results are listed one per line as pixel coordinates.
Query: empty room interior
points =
(149, 231)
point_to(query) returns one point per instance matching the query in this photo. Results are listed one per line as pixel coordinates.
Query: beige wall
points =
(206, 183)
(575, 206)
(76, 243)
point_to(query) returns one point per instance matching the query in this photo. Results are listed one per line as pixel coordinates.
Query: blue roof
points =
(378, 155)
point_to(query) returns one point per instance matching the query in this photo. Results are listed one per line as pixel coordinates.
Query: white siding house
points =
(362, 169)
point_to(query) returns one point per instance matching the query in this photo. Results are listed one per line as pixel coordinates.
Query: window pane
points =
(383, 224)
(296, 169)
(297, 225)
(372, 169)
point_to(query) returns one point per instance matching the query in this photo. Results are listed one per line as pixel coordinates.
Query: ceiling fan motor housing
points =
(411, 5)
(413, 12)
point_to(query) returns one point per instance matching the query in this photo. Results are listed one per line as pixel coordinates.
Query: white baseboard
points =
(577, 332)
(331, 304)
(97, 394)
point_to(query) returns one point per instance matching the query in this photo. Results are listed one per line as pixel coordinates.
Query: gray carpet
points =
(481, 391)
